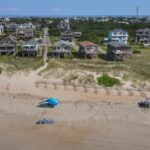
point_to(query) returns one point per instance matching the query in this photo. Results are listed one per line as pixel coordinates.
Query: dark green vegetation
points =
(54, 39)
(54, 31)
(93, 30)
(108, 81)
(96, 31)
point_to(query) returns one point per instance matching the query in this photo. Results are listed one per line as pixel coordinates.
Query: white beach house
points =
(118, 35)
(1, 29)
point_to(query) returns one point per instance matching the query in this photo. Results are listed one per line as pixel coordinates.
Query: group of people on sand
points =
(145, 104)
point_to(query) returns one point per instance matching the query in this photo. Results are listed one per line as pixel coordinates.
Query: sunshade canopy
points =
(53, 101)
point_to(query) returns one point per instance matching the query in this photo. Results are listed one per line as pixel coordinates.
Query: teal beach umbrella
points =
(53, 101)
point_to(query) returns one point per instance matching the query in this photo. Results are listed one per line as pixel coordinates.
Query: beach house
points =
(118, 35)
(1, 29)
(30, 48)
(27, 25)
(88, 49)
(118, 51)
(24, 33)
(62, 49)
(64, 24)
(143, 37)
(67, 35)
(11, 28)
(8, 45)
(77, 34)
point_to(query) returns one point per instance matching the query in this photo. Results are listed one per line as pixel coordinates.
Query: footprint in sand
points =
(44, 112)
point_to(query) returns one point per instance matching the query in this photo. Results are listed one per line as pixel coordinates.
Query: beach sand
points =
(80, 124)
(84, 120)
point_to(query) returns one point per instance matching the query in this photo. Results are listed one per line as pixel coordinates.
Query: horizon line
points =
(13, 16)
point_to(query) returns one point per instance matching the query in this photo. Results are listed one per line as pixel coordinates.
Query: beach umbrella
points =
(53, 101)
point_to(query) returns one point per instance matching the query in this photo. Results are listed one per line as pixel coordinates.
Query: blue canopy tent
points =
(53, 101)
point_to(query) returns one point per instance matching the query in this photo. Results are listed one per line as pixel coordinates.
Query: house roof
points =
(118, 30)
(86, 43)
(25, 29)
(5, 40)
(13, 38)
(62, 42)
(31, 42)
(64, 21)
(118, 44)
(69, 31)
(12, 25)
(143, 30)
(26, 25)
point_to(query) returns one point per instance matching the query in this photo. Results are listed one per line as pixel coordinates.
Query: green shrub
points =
(136, 52)
(69, 57)
(54, 39)
(50, 49)
(19, 47)
(73, 49)
(107, 81)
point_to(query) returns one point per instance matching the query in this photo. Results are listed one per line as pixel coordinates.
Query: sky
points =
(73, 7)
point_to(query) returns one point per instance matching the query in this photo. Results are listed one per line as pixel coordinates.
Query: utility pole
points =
(137, 11)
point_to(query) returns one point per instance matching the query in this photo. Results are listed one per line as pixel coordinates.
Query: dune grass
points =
(139, 65)
(137, 68)
(18, 63)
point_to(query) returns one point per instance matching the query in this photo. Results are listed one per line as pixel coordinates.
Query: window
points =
(88, 48)
(57, 48)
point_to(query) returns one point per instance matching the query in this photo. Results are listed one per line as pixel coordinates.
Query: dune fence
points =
(119, 91)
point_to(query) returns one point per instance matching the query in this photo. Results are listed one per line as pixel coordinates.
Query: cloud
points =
(14, 10)
(9, 9)
(55, 9)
